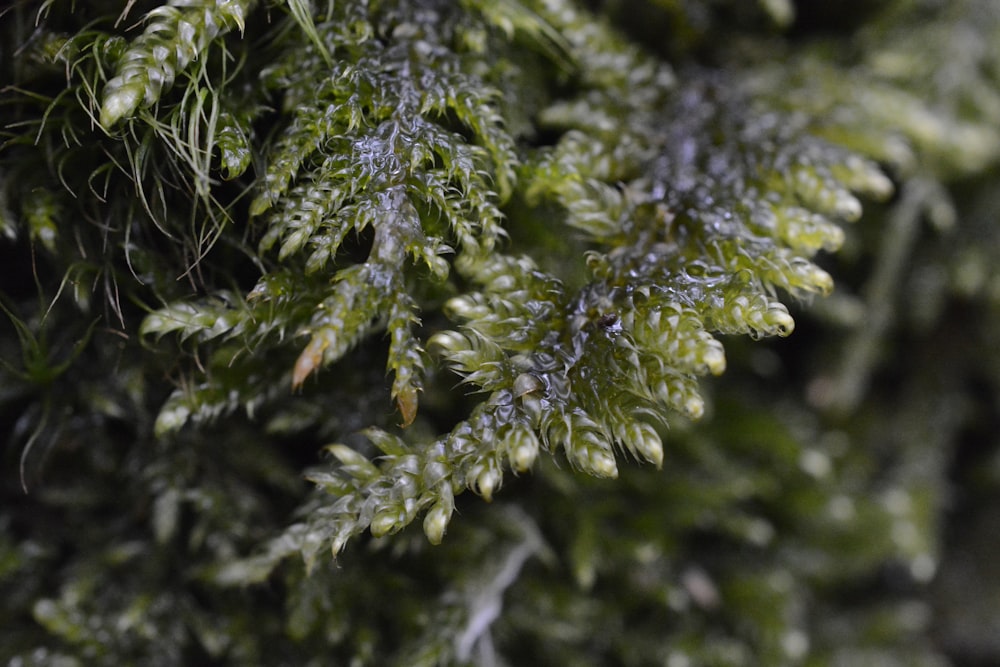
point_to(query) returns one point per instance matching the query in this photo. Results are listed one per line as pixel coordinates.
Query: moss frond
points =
(398, 145)
(495, 247)
(176, 34)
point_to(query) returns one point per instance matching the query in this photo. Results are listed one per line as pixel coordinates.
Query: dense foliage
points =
(499, 249)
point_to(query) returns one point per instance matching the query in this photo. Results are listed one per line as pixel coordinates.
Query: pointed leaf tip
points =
(310, 359)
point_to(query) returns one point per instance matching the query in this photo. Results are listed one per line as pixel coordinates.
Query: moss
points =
(409, 250)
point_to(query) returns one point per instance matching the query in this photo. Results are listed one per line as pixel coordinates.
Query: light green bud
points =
(448, 342)
(522, 448)
(643, 440)
(487, 482)
(387, 522)
(436, 521)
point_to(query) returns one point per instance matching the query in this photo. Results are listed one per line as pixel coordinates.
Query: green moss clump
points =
(284, 280)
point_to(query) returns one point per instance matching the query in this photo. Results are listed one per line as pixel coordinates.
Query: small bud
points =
(878, 185)
(602, 463)
(121, 103)
(592, 452)
(847, 206)
(486, 482)
(436, 522)
(833, 238)
(438, 266)
(388, 521)
(694, 407)
(778, 319)
(645, 442)
(820, 280)
(714, 358)
(448, 342)
(523, 448)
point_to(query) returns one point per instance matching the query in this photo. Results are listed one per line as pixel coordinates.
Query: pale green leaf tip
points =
(120, 104)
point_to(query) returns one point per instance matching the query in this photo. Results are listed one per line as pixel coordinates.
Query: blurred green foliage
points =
(282, 281)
